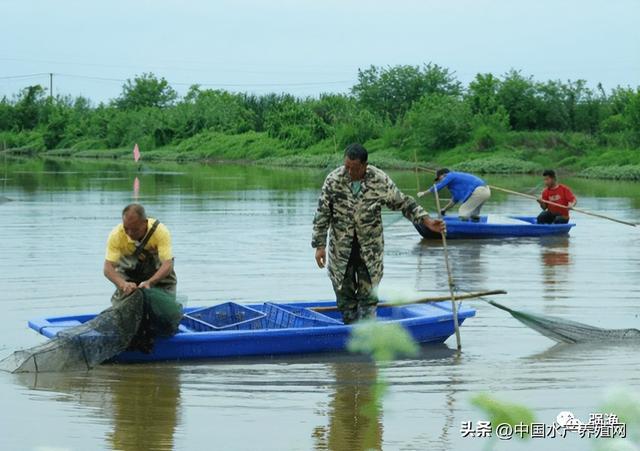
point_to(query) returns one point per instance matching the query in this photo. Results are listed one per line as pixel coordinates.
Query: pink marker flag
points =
(136, 153)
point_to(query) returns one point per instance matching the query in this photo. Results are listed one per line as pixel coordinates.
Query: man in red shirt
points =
(558, 194)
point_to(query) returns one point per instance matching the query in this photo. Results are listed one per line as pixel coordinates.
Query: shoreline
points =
(499, 162)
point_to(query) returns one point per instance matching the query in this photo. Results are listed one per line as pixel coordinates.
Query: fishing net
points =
(566, 331)
(131, 324)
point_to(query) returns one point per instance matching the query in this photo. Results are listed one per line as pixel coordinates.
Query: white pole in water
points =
(454, 307)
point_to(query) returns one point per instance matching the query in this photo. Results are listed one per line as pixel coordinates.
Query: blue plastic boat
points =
(234, 330)
(457, 229)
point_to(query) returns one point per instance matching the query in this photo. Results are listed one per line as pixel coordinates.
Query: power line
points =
(212, 84)
(310, 83)
(10, 77)
(89, 77)
(220, 66)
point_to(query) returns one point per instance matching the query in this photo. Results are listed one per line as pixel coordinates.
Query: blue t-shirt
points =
(460, 184)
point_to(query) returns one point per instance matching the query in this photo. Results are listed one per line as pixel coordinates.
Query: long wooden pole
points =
(548, 202)
(427, 300)
(454, 306)
(579, 210)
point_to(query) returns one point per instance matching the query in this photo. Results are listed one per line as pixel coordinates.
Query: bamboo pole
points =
(454, 306)
(579, 210)
(427, 300)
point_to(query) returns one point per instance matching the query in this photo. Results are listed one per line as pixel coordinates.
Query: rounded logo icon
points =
(564, 418)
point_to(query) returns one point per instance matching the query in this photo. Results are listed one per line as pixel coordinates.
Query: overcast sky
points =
(307, 47)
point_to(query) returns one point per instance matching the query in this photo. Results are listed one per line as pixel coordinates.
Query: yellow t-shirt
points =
(120, 245)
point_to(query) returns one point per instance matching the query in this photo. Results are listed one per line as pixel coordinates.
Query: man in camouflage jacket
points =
(349, 209)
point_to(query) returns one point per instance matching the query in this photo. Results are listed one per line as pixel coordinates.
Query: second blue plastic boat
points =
(457, 229)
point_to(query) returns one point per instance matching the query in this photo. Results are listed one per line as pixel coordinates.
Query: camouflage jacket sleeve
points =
(322, 219)
(397, 200)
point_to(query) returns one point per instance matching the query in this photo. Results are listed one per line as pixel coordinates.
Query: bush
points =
(489, 129)
(625, 172)
(146, 91)
(390, 92)
(7, 115)
(439, 122)
(361, 127)
(624, 139)
(215, 145)
(396, 137)
(13, 140)
(485, 138)
(613, 124)
(518, 96)
(294, 122)
(89, 144)
(569, 162)
(498, 165)
(482, 95)
(349, 121)
(54, 132)
(22, 140)
(214, 110)
(632, 116)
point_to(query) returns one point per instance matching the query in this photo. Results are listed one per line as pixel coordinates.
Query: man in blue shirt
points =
(471, 191)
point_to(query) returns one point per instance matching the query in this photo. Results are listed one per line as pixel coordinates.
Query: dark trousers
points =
(356, 298)
(548, 217)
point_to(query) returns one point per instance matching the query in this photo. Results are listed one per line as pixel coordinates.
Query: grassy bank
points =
(513, 153)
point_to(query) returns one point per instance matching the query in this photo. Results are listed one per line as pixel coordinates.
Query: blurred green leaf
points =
(384, 342)
(503, 412)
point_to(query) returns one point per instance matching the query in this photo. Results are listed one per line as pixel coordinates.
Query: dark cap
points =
(441, 172)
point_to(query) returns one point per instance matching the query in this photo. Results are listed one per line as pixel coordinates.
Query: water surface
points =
(243, 233)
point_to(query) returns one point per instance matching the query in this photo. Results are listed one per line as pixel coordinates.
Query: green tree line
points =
(418, 107)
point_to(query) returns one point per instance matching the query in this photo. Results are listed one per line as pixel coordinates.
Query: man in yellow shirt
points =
(139, 254)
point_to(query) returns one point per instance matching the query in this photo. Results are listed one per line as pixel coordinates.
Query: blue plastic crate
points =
(280, 316)
(227, 316)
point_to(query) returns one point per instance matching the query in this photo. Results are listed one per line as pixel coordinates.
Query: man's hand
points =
(321, 257)
(435, 225)
(422, 193)
(128, 287)
(145, 284)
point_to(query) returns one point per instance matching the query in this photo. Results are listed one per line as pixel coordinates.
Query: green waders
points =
(356, 298)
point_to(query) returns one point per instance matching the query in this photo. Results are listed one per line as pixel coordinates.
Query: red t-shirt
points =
(560, 195)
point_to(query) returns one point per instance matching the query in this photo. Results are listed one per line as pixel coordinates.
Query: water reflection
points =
(145, 409)
(466, 258)
(556, 263)
(142, 402)
(355, 411)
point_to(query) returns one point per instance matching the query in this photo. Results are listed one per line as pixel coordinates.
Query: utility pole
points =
(50, 85)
